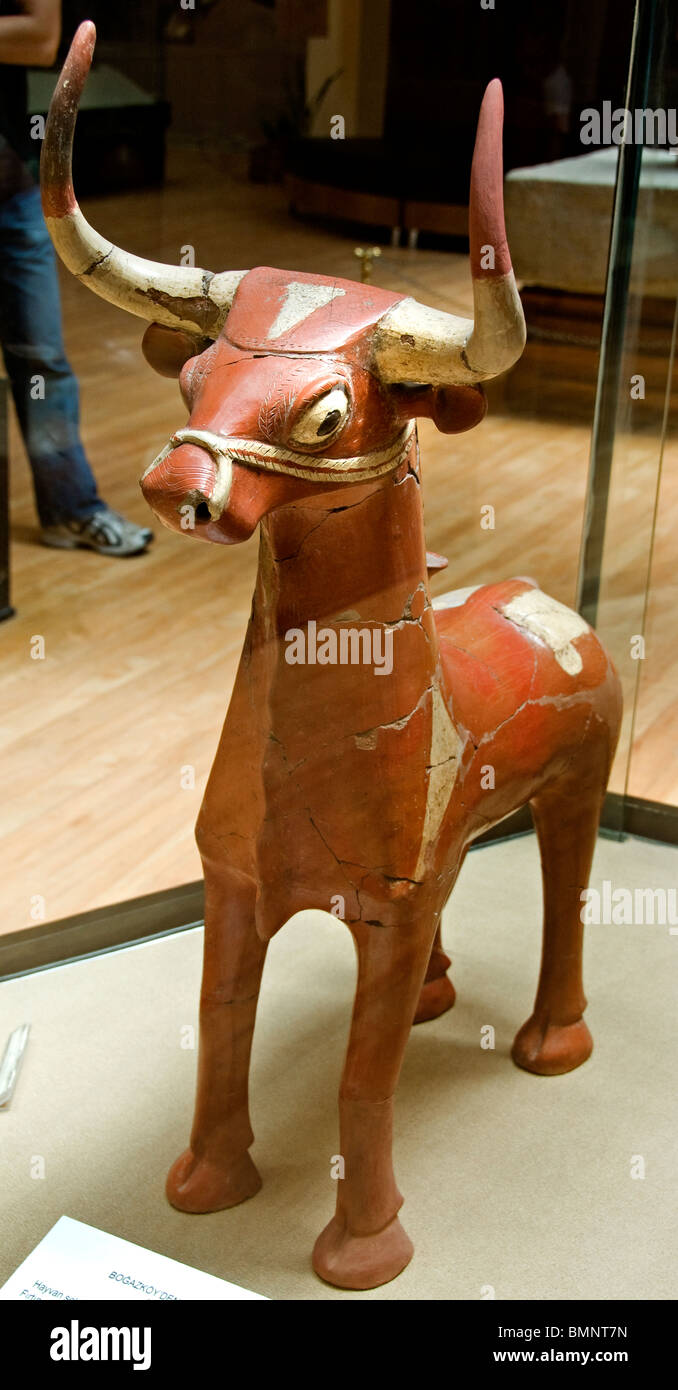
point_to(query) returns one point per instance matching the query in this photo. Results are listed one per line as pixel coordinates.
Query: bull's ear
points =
(452, 409)
(458, 408)
(168, 349)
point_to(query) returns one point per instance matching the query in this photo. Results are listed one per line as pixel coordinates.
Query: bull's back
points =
(528, 682)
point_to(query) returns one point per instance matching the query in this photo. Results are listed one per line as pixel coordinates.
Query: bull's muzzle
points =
(188, 485)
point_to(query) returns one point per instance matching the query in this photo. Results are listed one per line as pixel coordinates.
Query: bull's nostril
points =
(202, 512)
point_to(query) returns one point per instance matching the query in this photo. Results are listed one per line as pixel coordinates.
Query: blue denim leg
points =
(32, 347)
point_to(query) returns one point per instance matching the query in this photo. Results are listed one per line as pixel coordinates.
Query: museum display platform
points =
(517, 1183)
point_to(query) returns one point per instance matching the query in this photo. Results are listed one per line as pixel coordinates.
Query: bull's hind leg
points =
(555, 1038)
(437, 992)
(216, 1171)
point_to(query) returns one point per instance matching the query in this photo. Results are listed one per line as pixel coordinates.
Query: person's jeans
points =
(44, 388)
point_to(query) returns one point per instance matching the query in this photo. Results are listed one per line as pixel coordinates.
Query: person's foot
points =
(104, 531)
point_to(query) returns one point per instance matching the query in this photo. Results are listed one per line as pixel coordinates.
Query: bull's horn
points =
(414, 343)
(178, 296)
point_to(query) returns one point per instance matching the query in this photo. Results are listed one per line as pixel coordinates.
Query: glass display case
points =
(625, 581)
(330, 140)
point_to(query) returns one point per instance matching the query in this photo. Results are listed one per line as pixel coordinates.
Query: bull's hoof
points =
(437, 996)
(551, 1049)
(361, 1262)
(199, 1185)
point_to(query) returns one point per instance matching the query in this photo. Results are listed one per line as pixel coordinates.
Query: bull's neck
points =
(353, 557)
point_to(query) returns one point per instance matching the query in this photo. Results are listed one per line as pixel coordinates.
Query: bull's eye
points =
(321, 420)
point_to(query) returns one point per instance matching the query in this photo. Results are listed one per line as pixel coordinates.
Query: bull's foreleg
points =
(216, 1171)
(364, 1244)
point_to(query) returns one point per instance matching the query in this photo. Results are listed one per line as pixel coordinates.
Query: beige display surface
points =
(516, 1182)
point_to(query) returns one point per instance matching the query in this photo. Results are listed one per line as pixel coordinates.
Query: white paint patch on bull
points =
(300, 300)
(552, 623)
(455, 598)
(444, 759)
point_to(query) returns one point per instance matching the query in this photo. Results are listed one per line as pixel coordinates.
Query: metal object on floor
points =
(366, 257)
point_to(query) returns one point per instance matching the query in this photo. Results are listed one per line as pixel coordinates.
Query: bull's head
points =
(293, 382)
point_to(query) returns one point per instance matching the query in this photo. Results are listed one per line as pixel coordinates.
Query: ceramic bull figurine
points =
(359, 781)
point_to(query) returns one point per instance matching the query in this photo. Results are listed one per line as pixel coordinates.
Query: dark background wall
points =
(443, 52)
(240, 71)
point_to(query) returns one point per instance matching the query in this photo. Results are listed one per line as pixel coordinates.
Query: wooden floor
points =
(140, 655)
